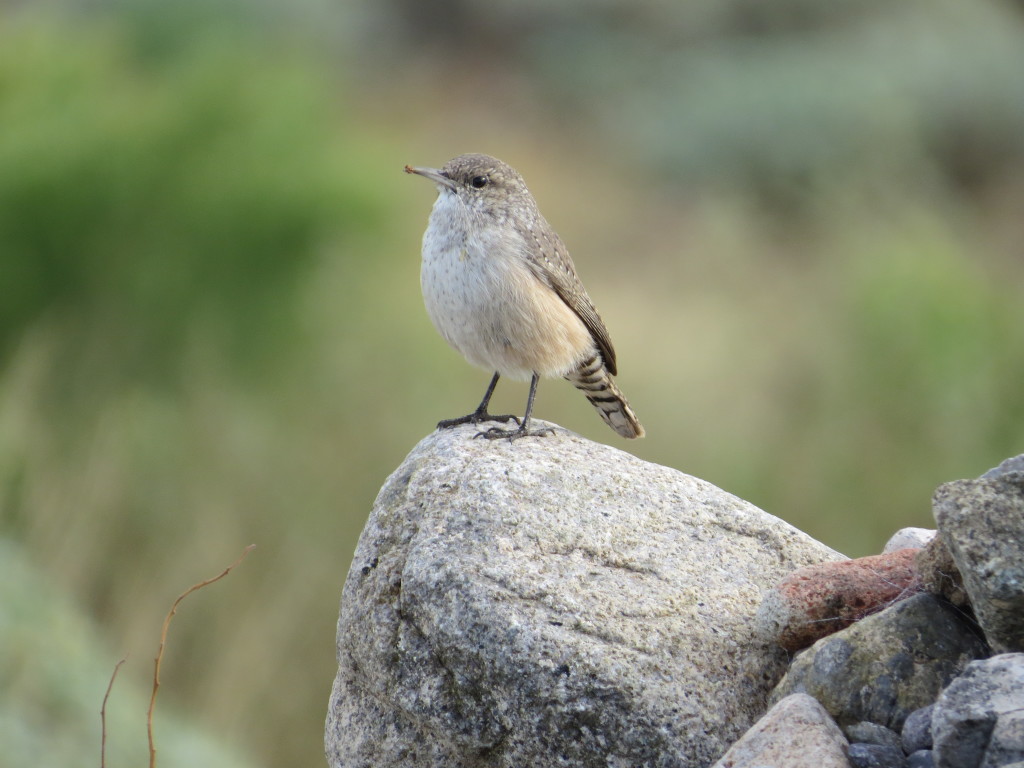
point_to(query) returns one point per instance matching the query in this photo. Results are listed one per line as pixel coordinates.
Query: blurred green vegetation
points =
(802, 224)
(52, 666)
(167, 193)
(786, 101)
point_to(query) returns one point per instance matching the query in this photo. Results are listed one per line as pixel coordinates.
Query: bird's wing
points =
(550, 262)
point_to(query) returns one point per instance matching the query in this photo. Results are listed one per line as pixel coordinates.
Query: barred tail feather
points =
(593, 379)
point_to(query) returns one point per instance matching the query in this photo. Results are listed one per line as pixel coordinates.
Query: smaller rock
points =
(885, 666)
(797, 733)
(872, 733)
(917, 730)
(982, 523)
(874, 756)
(1007, 744)
(1007, 467)
(978, 720)
(909, 538)
(923, 758)
(939, 574)
(817, 600)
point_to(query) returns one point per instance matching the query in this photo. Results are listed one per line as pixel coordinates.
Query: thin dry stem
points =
(103, 714)
(163, 643)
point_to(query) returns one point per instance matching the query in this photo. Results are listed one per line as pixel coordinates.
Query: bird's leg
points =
(480, 414)
(495, 433)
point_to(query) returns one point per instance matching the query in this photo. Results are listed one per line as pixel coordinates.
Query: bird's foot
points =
(476, 418)
(495, 433)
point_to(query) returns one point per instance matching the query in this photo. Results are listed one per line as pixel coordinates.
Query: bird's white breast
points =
(485, 301)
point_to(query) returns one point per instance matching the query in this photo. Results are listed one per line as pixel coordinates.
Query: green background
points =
(801, 221)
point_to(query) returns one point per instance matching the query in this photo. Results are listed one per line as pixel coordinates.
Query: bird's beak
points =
(434, 175)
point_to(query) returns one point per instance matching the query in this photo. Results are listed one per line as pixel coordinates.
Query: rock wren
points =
(501, 289)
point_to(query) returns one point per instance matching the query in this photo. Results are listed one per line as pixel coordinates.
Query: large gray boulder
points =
(553, 602)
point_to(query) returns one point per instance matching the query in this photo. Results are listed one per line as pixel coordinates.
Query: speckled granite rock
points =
(917, 730)
(982, 523)
(939, 574)
(796, 733)
(863, 755)
(887, 665)
(553, 602)
(1007, 468)
(909, 538)
(978, 721)
(872, 733)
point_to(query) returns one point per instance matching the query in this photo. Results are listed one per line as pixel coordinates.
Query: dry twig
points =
(103, 714)
(163, 643)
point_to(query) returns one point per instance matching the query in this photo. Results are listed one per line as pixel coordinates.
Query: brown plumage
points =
(500, 287)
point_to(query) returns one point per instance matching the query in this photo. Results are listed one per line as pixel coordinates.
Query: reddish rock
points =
(818, 600)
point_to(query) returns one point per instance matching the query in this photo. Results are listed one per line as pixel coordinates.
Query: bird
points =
(500, 287)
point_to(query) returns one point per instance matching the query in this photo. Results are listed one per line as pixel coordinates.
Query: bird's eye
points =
(479, 181)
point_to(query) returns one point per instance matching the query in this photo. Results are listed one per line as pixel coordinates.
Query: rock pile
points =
(557, 602)
(913, 682)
